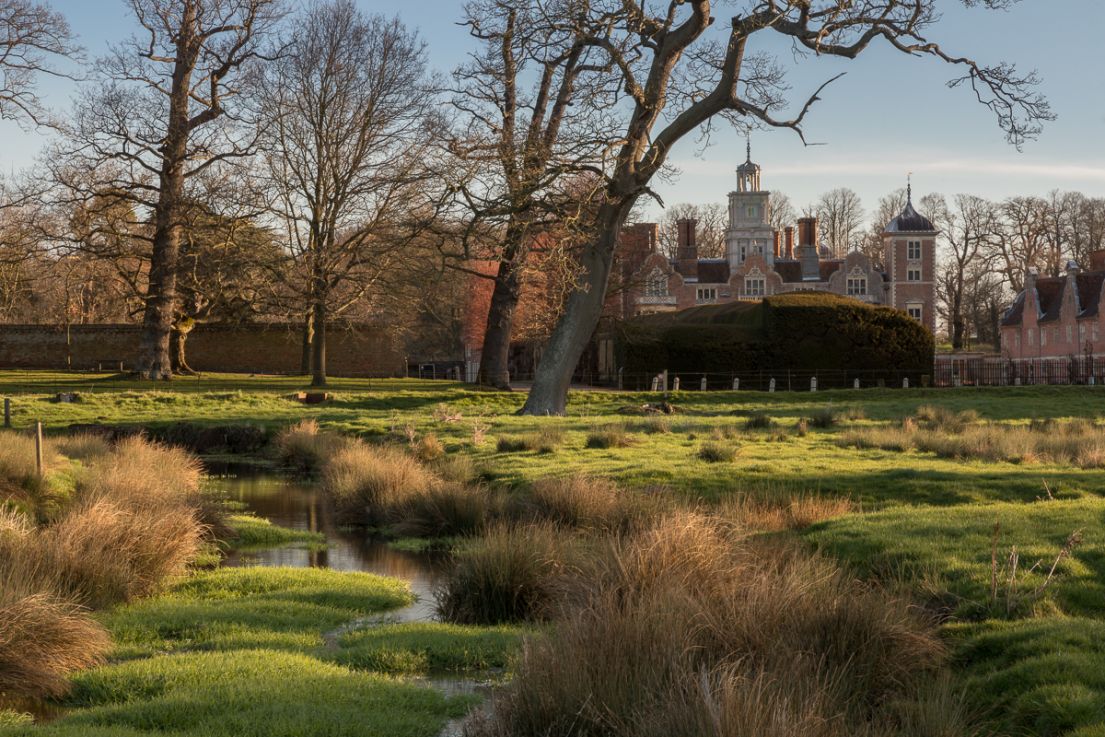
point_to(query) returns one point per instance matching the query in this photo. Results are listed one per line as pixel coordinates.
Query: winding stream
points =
(300, 505)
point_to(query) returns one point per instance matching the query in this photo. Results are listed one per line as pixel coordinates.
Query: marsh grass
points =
(370, 484)
(510, 574)
(305, 446)
(759, 421)
(43, 638)
(1080, 444)
(718, 452)
(782, 511)
(686, 629)
(543, 441)
(583, 502)
(609, 436)
(945, 419)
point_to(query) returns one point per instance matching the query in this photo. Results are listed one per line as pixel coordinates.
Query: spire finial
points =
(748, 148)
(909, 188)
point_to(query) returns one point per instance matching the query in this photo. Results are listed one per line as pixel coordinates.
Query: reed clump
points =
(580, 501)
(306, 447)
(686, 628)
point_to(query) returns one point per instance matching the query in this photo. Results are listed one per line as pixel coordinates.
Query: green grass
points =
(252, 532)
(1044, 677)
(951, 548)
(244, 651)
(428, 647)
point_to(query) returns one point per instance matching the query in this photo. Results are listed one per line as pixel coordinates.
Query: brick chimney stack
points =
(807, 249)
(687, 252)
(790, 241)
(1097, 261)
(778, 243)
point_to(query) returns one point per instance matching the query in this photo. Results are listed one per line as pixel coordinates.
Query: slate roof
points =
(910, 221)
(713, 271)
(1051, 290)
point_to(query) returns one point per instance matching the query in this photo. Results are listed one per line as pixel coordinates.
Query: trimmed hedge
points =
(803, 333)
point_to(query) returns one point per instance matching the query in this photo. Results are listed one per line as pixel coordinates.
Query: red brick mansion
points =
(1057, 317)
(761, 261)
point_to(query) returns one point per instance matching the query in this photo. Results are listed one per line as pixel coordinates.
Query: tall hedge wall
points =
(803, 333)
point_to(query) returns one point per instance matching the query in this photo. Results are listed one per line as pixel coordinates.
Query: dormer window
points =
(755, 284)
(857, 283)
(657, 284)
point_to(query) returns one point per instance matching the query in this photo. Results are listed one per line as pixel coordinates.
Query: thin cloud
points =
(963, 167)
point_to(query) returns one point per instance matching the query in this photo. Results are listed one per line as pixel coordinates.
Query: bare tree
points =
(840, 219)
(677, 77)
(1085, 227)
(967, 228)
(532, 115)
(783, 213)
(164, 114)
(712, 223)
(33, 37)
(1021, 241)
(343, 145)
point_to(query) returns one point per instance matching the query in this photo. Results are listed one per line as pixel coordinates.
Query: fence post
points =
(7, 412)
(703, 384)
(664, 380)
(855, 384)
(621, 379)
(813, 383)
(656, 383)
(771, 385)
(905, 382)
(675, 384)
(736, 384)
(38, 449)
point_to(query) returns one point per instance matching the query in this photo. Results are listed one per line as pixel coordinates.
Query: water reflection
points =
(300, 505)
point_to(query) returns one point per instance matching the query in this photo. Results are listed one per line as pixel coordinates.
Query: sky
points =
(890, 114)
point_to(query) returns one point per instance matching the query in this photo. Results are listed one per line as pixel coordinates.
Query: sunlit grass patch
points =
(251, 531)
(245, 693)
(957, 544)
(427, 647)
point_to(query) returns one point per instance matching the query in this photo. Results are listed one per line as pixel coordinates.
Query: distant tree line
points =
(257, 159)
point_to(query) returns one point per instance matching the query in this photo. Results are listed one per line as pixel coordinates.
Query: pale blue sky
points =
(889, 115)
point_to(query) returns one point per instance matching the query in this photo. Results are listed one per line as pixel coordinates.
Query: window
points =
(916, 311)
(657, 284)
(754, 287)
(1055, 333)
(1081, 332)
(913, 250)
(751, 212)
(1094, 332)
(913, 275)
(857, 283)
(1069, 336)
(1043, 337)
(758, 248)
(707, 294)
(1031, 336)
(1017, 340)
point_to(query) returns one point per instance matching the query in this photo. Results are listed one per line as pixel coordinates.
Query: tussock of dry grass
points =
(794, 512)
(140, 473)
(1080, 444)
(685, 629)
(43, 638)
(718, 452)
(510, 574)
(546, 440)
(83, 446)
(306, 447)
(368, 483)
(609, 436)
(582, 502)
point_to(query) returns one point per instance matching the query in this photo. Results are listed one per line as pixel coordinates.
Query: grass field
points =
(1026, 639)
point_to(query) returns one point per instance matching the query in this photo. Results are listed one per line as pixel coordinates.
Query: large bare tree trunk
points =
(549, 395)
(318, 345)
(495, 358)
(308, 339)
(155, 361)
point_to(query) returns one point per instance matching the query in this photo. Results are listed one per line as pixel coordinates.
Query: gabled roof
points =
(1051, 291)
(713, 271)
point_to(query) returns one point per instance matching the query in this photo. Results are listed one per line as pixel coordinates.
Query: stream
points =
(301, 505)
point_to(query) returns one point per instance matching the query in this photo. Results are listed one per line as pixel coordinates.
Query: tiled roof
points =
(790, 270)
(713, 271)
(1051, 290)
(830, 267)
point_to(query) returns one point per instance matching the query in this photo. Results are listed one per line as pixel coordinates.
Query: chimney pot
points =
(778, 243)
(789, 230)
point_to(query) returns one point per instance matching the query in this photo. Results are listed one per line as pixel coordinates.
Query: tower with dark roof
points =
(749, 232)
(909, 252)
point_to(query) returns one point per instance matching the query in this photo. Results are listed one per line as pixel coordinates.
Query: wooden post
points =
(7, 412)
(813, 383)
(702, 386)
(736, 384)
(675, 384)
(771, 385)
(855, 384)
(38, 450)
(664, 380)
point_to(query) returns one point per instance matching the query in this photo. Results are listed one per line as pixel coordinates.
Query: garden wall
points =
(361, 350)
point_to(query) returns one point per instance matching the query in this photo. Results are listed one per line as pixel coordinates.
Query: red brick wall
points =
(271, 348)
